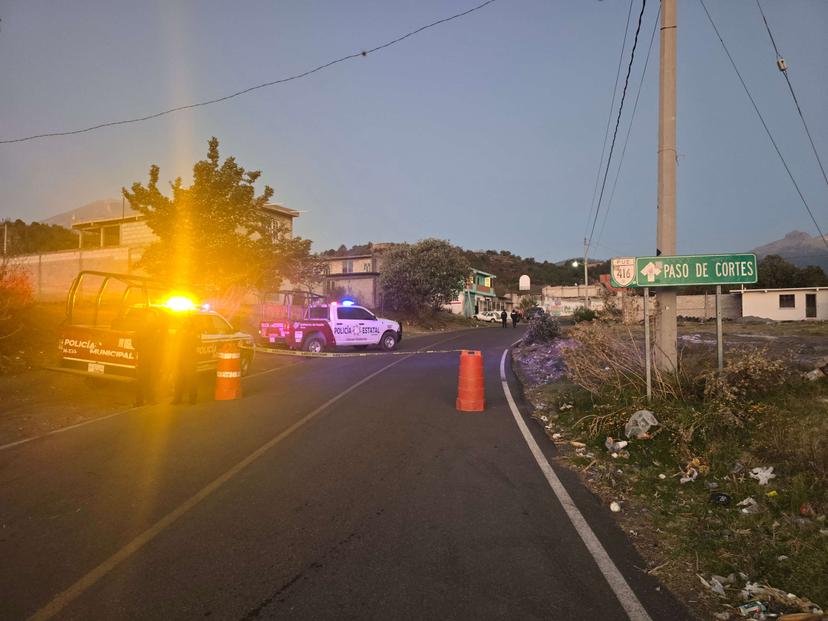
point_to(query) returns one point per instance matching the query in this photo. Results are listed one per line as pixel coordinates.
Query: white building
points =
(795, 304)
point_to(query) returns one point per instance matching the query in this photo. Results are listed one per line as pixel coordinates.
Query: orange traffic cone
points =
(228, 372)
(470, 389)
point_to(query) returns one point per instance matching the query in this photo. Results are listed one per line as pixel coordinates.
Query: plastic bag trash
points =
(714, 585)
(749, 505)
(689, 476)
(615, 507)
(763, 475)
(662, 476)
(814, 375)
(565, 406)
(556, 436)
(640, 423)
(615, 446)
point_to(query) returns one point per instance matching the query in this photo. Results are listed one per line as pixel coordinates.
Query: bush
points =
(542, 329)
(582, 313)
(747, 375)
(15, 297)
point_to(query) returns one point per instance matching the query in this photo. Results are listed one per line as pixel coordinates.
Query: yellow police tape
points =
(330, 354)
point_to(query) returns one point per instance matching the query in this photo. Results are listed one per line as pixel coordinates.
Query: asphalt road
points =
(342, 488)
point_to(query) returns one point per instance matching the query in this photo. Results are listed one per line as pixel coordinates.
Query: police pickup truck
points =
(343, 325)
(104, 311)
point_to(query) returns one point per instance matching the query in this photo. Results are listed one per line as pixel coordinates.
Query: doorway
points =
(810, 305)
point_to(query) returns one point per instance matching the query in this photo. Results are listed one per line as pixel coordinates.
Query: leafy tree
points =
(214, 236)
(527, 302)
(423, 276)
(777, 273)
(36, 237)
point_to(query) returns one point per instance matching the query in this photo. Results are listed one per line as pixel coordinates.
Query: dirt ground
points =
(543, 374)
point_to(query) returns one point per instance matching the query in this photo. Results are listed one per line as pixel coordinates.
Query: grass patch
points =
(756, 419)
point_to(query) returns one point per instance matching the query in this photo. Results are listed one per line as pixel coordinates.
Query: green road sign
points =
(678, 271)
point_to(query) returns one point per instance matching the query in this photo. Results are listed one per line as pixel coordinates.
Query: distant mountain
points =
(98, 210)
(798, 248)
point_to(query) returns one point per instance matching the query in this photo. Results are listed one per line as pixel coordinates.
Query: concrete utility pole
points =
(666, 354)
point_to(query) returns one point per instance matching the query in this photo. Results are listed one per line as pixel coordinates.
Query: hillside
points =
(798, 248)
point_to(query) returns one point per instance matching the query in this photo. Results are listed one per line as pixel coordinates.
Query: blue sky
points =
(486, 131)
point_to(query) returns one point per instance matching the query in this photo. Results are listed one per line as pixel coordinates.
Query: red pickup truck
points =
(338, 325)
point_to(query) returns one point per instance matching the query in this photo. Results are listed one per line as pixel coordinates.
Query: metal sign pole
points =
(647, 356)
(719, 340)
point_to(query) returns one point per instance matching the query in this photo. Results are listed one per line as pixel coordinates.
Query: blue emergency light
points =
(347, 302)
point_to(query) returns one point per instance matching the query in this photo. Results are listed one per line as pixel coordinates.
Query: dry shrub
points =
(603, 360)
(542, 329)
(15, 297)
(748, 374)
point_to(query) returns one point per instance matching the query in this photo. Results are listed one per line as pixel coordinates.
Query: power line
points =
(618, 119)
(609, 119)
(298, 76)
(780, 62)
(765, 125)
(629, 127)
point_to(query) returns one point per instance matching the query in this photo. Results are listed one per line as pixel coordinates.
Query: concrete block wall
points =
(52, 273)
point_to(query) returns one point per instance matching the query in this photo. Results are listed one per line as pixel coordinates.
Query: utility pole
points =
(586, 274)
(665, 337)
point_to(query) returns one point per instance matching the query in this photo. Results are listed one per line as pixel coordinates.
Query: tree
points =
(214, 236)
(423, 276)
(527, 302)
(36, 237)
(776, 273)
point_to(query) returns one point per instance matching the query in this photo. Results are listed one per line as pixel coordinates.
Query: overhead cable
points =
(629, 127)
(617, 120)
(298, 76)
(783, 68)
(609, 119)
(765, 125)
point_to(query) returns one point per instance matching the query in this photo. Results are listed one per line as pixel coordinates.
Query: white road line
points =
(66, 597)
(632, 606)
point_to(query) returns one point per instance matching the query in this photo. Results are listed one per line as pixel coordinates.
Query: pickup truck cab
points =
(96, 337)
(343, 325)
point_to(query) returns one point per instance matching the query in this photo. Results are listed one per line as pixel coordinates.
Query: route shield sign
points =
(622, 270)
(678, 271)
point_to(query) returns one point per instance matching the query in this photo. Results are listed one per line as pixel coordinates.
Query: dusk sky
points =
(486, 130)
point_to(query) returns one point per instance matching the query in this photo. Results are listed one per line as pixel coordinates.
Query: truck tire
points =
(388, 341)
(314, 344)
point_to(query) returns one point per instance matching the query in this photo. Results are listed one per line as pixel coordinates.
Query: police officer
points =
(515, 318)
(186, 362)
(503, 317)
(148, 343)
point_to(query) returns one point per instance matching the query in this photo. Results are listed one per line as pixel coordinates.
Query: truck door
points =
(346, 326)
(369, 331)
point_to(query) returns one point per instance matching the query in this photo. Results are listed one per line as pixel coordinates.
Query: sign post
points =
(683, 271)
(719, 341)
(647, 353)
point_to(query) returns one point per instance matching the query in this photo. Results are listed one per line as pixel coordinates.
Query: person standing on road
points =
(515, 318)
(186, 362)
(148, 344)
(503, 317)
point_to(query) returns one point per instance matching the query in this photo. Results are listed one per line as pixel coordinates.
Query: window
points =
(348, 266)
(787, 300)
(318, 312)
(354, 313)
(111, 236)
(366, 267)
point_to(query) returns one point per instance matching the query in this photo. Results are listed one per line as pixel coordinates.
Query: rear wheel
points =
(388, 341)
(314, 344)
